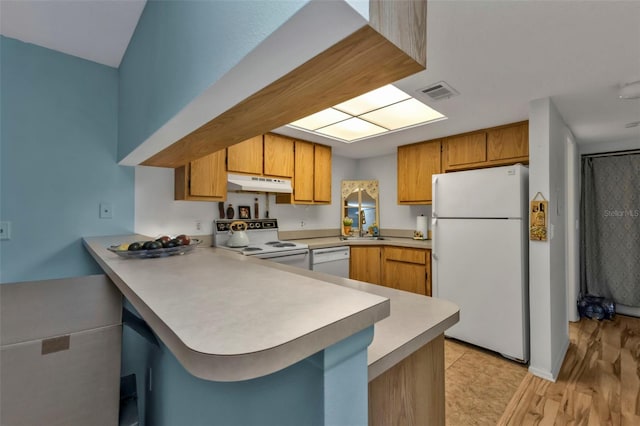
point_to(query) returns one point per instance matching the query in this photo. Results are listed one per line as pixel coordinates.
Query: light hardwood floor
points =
(598, 384)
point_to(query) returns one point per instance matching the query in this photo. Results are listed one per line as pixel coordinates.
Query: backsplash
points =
(157, 213)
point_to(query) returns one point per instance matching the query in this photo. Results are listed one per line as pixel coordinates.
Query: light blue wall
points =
(57, 161)
(180, 48)
(328, 388)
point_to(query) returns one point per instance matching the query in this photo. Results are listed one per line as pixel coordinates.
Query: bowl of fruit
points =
(160, 247)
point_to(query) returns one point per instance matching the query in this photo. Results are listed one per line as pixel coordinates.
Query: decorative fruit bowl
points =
(157, 252)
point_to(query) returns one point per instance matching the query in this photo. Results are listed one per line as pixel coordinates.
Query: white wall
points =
(595, 148)
(547, 259)
(157, 213)
(392, 215)
(290, 217)
(573, 230)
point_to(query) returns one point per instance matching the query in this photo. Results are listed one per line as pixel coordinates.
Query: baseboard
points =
(557, 365)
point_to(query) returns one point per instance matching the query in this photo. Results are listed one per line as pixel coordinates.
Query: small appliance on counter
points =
(263, 243)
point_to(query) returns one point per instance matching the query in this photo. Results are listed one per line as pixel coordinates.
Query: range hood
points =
(258, 183)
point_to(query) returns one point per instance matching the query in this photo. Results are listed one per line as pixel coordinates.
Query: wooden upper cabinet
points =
(461, 152)
(303, 174)
(311, 175)
(416, 164)
(246, 157)
(508, 143)
(204, 179)
(278, 155)
(365, 265)
(496, 146)
(322, 174)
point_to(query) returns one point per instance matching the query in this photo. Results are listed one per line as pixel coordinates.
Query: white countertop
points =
(323, 242)
(228, 317)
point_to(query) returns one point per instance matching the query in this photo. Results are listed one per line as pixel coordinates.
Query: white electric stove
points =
(263, 242)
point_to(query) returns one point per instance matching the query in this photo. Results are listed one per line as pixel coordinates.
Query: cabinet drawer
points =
(407, 255)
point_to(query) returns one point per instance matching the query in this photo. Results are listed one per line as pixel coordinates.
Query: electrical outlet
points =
(302, 224)
(106, 211)
(5, 230)
(198, 225)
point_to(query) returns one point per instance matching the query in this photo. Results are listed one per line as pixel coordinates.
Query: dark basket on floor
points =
(596, 307)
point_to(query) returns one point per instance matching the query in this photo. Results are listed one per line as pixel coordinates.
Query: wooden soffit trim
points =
(373, 56)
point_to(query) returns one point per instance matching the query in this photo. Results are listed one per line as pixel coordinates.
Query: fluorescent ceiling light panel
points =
(375, 99)
(403, 114)
(351, 129)
(379, 111)
(321, 119)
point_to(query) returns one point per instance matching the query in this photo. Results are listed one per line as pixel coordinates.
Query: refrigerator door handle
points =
(434, 187)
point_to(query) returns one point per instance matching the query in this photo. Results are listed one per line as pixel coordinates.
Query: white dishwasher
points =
(331, 260)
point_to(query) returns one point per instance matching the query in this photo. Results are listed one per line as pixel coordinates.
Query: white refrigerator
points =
(480, 255)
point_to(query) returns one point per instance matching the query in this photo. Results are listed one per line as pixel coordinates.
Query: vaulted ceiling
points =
(498, 54)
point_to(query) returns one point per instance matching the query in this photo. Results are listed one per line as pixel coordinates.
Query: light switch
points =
(5, 230)
(106, 211)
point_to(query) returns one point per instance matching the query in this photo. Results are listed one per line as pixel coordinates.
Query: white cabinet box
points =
(60, 345)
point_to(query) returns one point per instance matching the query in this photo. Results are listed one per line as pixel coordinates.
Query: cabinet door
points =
(246, 157)
(208, 177)
(508, 143)
(405, 269)
(405, 276)
(364, 264)
(463, 151)
(322, 174)
(303, 177)
(416, 164)
(278, 155)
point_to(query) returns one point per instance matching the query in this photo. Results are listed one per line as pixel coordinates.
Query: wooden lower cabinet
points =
(406, 269)
(402, 268)
(412, 391)
(364, 264)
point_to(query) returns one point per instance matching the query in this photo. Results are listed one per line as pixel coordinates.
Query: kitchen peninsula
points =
(245, 341)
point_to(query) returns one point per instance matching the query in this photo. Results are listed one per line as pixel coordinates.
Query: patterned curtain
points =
(610, 231)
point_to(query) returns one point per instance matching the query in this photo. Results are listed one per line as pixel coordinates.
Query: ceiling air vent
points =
(440, 90)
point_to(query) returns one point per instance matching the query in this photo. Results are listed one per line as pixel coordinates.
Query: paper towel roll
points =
(422, 226)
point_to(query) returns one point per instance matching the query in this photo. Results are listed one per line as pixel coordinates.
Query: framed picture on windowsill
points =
(244, 212)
